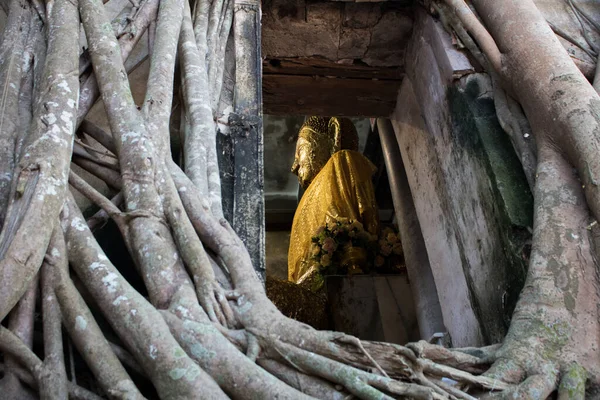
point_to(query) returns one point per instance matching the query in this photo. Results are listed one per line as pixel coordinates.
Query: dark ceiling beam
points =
(314, 95)
(321, 67)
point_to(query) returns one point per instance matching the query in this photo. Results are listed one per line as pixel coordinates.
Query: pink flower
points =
(329, 245)
(326, 260)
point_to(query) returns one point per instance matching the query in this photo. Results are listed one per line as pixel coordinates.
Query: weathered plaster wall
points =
(277, 245)
(423, 173)
(471, 197)
(280, 145)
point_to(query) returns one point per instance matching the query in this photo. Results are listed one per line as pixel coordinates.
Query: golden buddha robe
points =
(342, 189)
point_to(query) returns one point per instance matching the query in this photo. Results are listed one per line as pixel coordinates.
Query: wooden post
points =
(248, 217)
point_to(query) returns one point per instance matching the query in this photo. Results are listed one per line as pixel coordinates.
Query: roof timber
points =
(314, 95)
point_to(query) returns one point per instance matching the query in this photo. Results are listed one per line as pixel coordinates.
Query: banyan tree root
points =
(197, 322)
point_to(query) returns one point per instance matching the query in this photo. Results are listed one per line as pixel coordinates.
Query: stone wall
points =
(471, 196)
(374, 33)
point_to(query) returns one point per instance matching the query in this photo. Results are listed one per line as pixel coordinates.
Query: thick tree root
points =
(40, 177)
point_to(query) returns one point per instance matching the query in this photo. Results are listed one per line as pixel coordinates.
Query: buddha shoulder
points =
(353, 161)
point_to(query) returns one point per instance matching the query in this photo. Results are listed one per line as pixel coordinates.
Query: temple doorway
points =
(373, 302)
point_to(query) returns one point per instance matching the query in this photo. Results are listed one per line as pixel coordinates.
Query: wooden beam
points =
(310, 95)
(248, 205)
(322, 67)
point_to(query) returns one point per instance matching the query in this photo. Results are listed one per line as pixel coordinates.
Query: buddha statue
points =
(338, 187)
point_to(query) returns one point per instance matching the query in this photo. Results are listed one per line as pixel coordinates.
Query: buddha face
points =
(309, 160)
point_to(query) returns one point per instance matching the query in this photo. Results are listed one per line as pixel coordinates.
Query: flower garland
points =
(390, 249)
(334, 244)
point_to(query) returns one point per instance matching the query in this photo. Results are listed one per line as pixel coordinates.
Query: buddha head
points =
(319, 138)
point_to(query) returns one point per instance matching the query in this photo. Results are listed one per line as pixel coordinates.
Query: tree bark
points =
(40, 178)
